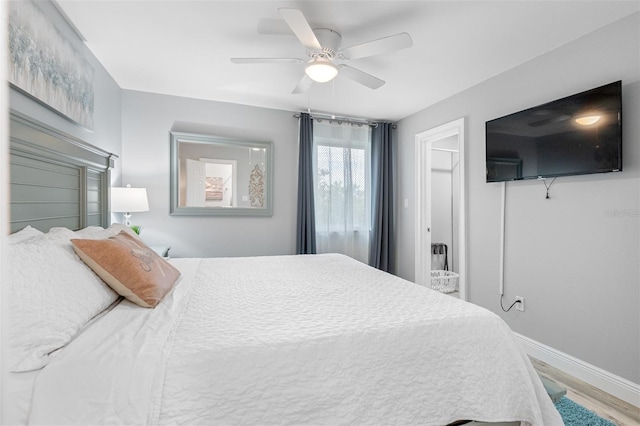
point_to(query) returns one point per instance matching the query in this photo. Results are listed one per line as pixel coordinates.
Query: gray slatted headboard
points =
(56, 179)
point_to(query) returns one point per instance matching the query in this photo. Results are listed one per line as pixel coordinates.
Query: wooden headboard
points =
(56, 179)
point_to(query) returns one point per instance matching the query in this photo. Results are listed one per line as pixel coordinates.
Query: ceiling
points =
(183, 48)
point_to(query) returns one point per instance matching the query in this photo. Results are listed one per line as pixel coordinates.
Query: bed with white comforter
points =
(315, 340)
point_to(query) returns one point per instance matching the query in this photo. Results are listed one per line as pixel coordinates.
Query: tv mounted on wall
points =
(579, 134)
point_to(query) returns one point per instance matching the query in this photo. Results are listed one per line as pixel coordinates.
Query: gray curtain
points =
(382, 242)
(306, 227)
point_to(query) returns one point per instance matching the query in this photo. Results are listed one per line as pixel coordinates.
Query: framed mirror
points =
(216, 176)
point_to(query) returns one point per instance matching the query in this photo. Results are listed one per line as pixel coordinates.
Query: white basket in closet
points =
(444, 281)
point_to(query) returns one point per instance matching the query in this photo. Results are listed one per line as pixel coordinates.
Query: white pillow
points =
(89, 231)
(24, 234)
(52, 295)
(99, 233)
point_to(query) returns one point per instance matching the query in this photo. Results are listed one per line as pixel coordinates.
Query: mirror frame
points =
(174, 186)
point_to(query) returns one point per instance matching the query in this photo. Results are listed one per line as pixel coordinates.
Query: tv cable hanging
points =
(544, 181)
(503, 208)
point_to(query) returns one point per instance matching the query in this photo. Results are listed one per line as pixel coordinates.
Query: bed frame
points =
(55, 178)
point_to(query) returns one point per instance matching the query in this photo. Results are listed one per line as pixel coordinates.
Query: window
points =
(342, 165)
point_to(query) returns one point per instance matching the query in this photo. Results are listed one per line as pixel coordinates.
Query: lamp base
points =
(127, 219)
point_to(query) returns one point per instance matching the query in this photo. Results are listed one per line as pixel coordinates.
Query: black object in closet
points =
(441, 248)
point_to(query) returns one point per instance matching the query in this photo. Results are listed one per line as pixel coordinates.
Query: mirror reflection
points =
(217, 176)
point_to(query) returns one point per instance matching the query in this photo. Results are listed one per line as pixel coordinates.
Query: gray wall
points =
(576, 264)
(147, 120)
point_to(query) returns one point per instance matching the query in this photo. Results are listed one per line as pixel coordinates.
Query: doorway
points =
(211, 183)
(440, 203)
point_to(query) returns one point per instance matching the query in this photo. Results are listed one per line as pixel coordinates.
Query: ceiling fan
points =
(323, 47)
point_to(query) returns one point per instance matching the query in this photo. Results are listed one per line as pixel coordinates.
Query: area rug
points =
(574, 414)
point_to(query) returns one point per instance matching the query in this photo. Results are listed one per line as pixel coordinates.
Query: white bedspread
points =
(293, 340)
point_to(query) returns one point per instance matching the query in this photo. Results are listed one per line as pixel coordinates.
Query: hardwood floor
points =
(606, 406)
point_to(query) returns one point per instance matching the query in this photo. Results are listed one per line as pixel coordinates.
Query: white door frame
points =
(424, 141)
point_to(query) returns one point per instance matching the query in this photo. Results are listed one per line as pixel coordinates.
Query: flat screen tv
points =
(579, 134)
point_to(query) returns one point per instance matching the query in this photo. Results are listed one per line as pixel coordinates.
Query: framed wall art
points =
(47, 67)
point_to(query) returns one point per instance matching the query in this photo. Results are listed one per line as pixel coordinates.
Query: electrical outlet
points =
(520, 303)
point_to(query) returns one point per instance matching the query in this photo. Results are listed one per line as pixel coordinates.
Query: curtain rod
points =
(340, 120)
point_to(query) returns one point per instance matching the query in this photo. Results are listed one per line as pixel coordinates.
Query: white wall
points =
(147, 120)
(577, 266)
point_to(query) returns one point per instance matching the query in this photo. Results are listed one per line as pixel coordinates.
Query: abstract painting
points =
(46, 66)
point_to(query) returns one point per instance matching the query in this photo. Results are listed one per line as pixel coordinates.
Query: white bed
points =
(291, 340)
(268, 340)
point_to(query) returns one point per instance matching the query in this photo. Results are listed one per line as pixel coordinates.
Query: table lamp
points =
(127, 200)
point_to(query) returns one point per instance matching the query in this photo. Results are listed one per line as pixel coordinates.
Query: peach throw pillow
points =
(130, 267)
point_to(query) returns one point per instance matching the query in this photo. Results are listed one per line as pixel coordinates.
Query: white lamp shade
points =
(321, 70)
(129, 200)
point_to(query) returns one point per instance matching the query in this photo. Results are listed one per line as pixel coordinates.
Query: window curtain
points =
(342, 167)
(305, 230)
(381, 251)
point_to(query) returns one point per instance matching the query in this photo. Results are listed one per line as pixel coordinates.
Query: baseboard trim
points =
(612, 384)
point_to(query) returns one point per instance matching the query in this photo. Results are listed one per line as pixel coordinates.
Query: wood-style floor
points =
(606, 406)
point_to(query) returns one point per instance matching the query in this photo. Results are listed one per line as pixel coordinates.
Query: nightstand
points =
(161, 250)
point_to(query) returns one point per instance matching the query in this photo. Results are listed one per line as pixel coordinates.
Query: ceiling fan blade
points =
(378, 47)
(303, 85)
(360, 77)
(267, 60)
(300, 27)
(277, 27)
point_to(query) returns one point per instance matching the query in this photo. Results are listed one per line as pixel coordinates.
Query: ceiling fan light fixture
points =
(321, 70)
